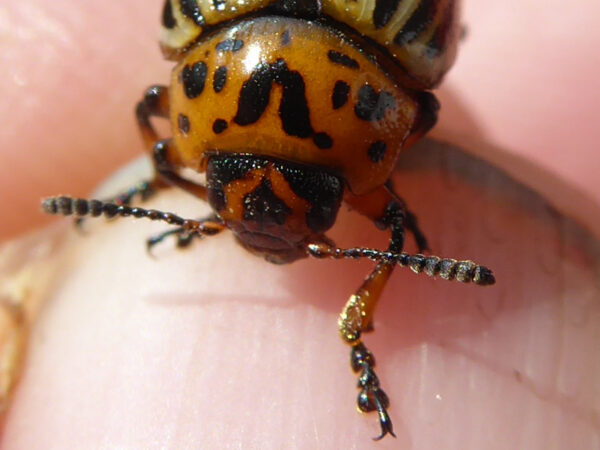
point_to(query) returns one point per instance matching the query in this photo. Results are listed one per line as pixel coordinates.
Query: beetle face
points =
(275, 208)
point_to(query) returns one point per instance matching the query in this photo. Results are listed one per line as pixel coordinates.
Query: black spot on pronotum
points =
(293, 110)
(190, 9)
(168, 20)
(256, 92)
(376, 151)
(419, 20)
(219, 126)
(183, 123)
(219, 4)
(219, 78)
(339, 97)
(370, 105)
(285, 38)
(383, 12)
(254, 95)
(230, 45)
(344, 60)
(322, 140)
(193, 79)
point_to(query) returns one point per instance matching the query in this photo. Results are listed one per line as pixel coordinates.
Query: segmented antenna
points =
(433, 266)
(80, 207)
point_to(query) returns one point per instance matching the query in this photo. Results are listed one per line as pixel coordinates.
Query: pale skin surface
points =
(214, 347)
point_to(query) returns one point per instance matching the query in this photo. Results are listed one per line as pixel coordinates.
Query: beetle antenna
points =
(446, 268)
(80, 207)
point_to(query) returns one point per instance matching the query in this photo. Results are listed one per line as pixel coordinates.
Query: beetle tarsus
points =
(384, 422)
(210, 225)
(371, 396)
(183, 238)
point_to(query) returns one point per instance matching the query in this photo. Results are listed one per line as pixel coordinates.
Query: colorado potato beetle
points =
(291, 108)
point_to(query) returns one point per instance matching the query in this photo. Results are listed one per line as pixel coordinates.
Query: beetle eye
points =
(168, 20)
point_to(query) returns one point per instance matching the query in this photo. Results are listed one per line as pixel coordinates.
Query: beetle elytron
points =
(291, 107)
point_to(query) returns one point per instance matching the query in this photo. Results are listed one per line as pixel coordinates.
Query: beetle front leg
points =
(357, 316)
(211, 225)
(154, 103)
(410, 220)
(165, 159)
(166, 162)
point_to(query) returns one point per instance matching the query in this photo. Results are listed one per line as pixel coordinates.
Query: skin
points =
(213, 346)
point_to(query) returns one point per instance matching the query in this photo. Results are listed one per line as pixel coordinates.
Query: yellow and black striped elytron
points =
(289, 108)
